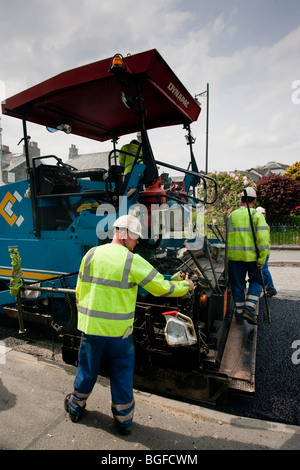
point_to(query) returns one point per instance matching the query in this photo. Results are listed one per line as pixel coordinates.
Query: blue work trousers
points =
(267, 275)
(120, 354)
(237, 276)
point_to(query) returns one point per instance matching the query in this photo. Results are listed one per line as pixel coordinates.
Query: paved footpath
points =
(32, 417)
(284, 265)
(285, 255)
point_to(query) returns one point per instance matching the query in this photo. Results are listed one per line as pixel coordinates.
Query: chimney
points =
(33, 150)
(73, 151)
(5, 149)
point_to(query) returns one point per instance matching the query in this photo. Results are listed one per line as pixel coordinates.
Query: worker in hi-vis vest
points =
(126, 160)
(106, 294)
(243, 259)
(268, 280)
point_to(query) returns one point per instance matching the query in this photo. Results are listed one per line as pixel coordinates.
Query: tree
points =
(229, 188)
(278, 194)
(293, 171)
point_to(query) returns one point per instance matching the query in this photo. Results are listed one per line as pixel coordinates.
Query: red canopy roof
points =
(88, 98)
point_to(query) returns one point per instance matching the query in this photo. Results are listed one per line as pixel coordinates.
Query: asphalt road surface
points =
(277, 377)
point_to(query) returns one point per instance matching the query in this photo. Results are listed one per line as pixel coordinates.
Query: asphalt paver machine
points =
(188, 348)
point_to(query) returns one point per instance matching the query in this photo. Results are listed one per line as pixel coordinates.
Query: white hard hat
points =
(261, 209)
(131, 223)
(249, 191)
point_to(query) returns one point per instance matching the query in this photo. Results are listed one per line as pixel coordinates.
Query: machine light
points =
(203, 300)
(62, 127)
(117, 64)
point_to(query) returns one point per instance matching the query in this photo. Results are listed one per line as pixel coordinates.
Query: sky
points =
(247, 51)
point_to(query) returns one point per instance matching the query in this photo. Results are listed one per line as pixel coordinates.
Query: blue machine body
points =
(59, 212)
(55, 215)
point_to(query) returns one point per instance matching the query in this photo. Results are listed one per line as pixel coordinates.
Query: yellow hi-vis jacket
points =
(107, 285)
(128, 160)
(241, 246)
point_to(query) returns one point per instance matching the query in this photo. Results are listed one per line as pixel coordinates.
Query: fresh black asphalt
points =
(277, 396)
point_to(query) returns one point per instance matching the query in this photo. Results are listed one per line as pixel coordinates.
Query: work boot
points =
(75, 411)
(249, 317)
(271, 291)
(123, 430)
(239, 318)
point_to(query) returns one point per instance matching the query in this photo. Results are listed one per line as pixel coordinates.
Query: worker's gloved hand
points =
(192, 285)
